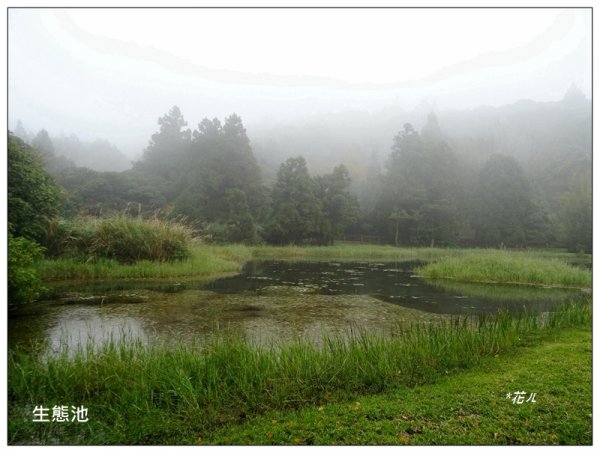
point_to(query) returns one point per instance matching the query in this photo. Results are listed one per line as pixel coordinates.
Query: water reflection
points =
(269, 301)
(391, 282)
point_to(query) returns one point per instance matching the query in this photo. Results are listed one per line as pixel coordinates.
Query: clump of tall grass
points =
(508, 267)
(120, 238)
(153, 394)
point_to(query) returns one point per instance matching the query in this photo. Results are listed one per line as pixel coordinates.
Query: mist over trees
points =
(513, 176)
(69, 151)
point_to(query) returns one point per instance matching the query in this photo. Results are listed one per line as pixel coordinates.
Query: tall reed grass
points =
(136, 393)
(121, 238)
(508, 267)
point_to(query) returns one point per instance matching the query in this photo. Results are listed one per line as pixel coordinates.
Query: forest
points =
(466, 178)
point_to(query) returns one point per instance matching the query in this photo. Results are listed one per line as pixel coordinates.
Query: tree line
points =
(426, 195)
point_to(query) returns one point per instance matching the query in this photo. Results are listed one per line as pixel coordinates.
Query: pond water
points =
(269, 301)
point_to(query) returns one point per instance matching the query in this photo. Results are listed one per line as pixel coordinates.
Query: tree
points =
(340, 208)
(165, 153)
(420, 196)
(42, 142)
(505, 212)
(91, 192)
(296, 211)
(575, 215)
(33, 197)
(240, 223)
(220, 160)
(50, 161)
(24, 284)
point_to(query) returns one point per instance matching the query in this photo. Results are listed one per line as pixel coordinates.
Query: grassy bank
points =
(160, 395)
(508, 267)
(212, 259)
(468, 408)
(204, 261)
(353, 252)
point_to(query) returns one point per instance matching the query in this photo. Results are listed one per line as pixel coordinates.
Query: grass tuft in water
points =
(508, 267)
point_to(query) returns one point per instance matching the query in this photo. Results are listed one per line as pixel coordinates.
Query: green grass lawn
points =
(468, 408)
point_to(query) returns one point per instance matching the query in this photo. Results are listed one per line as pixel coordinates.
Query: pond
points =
(269, 301)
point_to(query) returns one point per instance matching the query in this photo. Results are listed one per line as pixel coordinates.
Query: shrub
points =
(33, 197)
(24, 284)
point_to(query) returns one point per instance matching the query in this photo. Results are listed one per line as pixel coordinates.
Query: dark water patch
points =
(319, 277)
(390, 282)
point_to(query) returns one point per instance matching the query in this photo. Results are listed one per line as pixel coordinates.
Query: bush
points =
(24, 284)
(33, 197)
(121, 238)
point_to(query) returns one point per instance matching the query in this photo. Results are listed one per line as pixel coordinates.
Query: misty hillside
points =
(515, 175)
(99, 155)
(551, 140)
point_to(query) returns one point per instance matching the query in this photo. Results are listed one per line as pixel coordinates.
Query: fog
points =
(110, 74)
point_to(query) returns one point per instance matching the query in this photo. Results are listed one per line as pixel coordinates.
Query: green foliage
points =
(240, 223)
(575, 216)
(33, 196)
(297, 216)
(164, 155)
(504, 210)
(441, 187)
(309, 210)
(340, 209)
(420, 199)
(108, 193)
(221, 162)
(24, 283)
(124, 239)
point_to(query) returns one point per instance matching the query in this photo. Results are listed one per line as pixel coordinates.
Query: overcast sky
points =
(111, 73)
